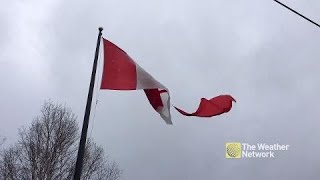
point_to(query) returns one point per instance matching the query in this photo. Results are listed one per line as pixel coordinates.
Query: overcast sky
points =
(262, 54)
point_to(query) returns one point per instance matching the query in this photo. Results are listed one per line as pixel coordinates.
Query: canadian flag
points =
(120, 72)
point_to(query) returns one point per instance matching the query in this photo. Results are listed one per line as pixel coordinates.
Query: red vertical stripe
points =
(213, 107)
(119, 70)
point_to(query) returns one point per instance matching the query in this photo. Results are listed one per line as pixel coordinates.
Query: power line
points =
(298, 13)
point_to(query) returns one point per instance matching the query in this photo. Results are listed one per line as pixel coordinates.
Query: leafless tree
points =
(47, 150)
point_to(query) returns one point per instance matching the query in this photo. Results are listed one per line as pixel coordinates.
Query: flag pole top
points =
(100, 29)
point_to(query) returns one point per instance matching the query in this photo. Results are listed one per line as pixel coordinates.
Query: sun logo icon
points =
(233, 150)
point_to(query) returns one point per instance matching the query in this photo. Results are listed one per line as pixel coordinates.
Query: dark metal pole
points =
(79, 163)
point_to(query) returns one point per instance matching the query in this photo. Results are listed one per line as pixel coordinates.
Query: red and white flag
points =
(120, 72)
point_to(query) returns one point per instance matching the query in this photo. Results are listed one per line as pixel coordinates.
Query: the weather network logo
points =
(258, 150)
(233, 150)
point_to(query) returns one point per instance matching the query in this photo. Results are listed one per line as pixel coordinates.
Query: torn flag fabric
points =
(120, 72)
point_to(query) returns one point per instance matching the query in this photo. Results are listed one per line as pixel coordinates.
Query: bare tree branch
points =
(47, 150)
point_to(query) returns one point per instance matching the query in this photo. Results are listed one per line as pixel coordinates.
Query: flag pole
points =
(79, 163)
